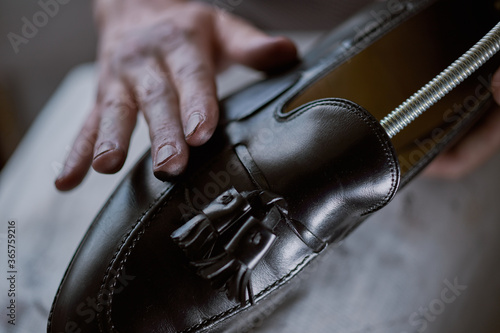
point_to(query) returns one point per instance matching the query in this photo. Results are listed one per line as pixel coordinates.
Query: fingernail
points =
(103, 148)
(192, 125)
(164, 154)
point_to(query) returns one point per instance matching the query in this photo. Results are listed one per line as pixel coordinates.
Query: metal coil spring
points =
(442, 84)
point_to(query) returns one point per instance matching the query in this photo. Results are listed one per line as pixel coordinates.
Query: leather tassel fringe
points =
(246, 220)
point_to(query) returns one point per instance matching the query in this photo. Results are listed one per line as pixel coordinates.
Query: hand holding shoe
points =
(161, 57)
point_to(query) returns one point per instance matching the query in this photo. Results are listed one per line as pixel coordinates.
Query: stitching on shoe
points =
(109, 320)
(115, 255)
(132, 246)
(349, 52)
(280, 106)
(56, 298)
(206, 321)
(346, 104)
(214, 319)
(124, 261)
(376, 129)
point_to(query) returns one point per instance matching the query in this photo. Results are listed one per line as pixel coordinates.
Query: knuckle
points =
(190, 71)
(150, 83)
(116, 107)
(172, 33)
(151, 94)
(170, 37)
(162, 132)
(130, 51)
(107, 102)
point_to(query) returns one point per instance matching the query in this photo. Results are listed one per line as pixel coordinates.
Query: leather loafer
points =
(295, 165)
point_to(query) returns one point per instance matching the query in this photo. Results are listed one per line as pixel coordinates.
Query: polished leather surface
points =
(329, 159)
(327, 191)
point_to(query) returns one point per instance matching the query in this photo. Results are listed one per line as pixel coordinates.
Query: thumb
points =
(242, 43)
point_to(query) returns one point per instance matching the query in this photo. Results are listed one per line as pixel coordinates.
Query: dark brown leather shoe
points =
(295, 165)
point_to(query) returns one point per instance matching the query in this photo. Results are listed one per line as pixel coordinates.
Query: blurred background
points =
(29, 77)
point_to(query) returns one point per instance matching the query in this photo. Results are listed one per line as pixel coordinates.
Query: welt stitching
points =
(377, 129)
(134, 242)
(231, 310)
(124, 261)
(206, 321)
(390, 161)
(138, 220)
(354, 109)
(375, 207)
(59, 289)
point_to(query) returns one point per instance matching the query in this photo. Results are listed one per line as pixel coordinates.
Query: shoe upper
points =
(263, 198)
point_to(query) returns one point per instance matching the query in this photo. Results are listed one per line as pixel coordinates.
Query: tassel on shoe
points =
(247, 221)
(197, 237)
(232, 269)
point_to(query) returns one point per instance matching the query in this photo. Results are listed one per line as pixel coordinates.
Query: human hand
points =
(480, 144)
(161, 57)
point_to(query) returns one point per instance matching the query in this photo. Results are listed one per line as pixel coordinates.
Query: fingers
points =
(192, 69)
(479, 145)
(80, 157)
(159, 103)
(117, 121)
(103, 141)
(244, 44)
(181, 108)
